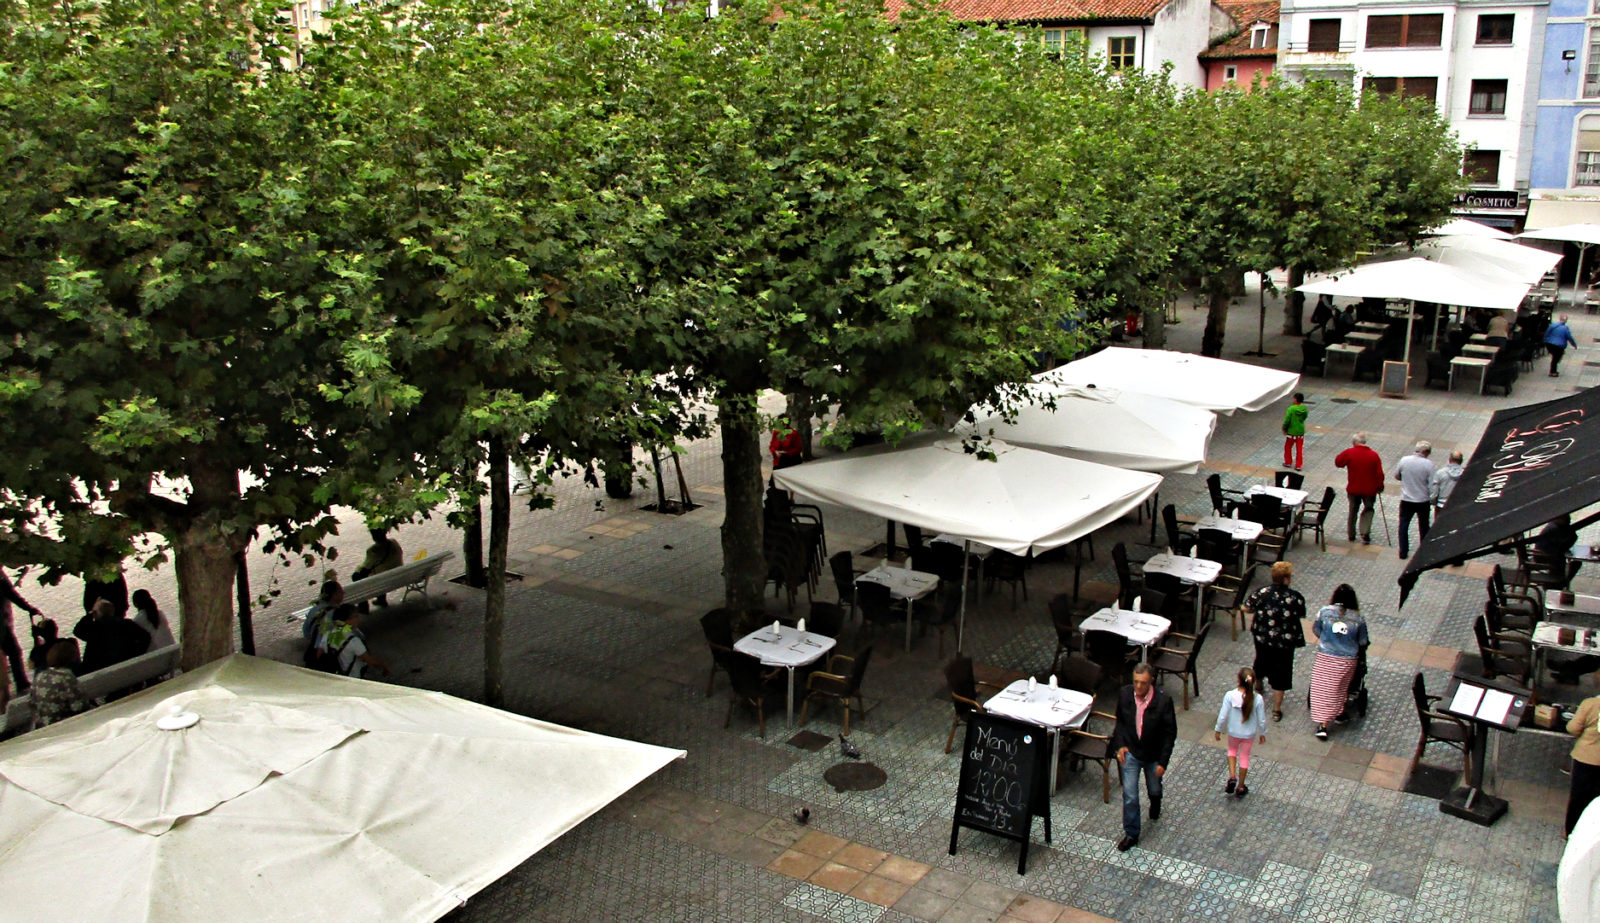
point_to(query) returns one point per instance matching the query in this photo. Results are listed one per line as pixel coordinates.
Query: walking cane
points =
(1387, 540)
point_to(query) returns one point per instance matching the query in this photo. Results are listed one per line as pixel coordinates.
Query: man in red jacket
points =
(1365, 481)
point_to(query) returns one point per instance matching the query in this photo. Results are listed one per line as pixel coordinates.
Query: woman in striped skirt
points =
(1341, 637)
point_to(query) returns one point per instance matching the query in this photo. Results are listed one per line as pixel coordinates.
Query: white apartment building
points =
(1477, 61)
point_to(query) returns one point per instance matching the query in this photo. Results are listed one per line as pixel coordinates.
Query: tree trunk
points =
(1295, 304)
(1216, 318)
(1154, 323)
(205, 551)
(472, 546)
(744, 567)
(494, 603)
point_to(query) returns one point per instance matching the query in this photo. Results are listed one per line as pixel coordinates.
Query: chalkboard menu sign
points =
(1001, 788)
(1394, 379)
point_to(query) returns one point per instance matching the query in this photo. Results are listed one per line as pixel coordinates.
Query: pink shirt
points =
(1139, 705)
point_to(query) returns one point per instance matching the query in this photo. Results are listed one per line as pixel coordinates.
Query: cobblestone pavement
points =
(602, 634)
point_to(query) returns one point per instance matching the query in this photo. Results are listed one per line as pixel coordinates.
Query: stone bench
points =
(101, 683)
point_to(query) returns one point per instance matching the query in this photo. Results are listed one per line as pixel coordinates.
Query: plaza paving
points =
(602, 634)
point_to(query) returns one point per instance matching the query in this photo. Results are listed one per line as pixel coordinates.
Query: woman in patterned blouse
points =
(55, 689)
(1277, 626)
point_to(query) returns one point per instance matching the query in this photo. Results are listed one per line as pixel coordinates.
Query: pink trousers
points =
(1239, 747)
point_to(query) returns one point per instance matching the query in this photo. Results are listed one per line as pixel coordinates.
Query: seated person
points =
(147, 616)
(45, 636)
(109, 638)
(1553, 543)
(786, 447)
(56, 694)
(1499, 328)
(329, 599)
(383, 554)
(345, 640)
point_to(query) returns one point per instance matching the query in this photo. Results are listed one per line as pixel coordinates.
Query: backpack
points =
(322, 655)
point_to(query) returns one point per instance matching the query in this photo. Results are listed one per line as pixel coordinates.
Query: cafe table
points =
(1141, 629)
(1561, 605)
(1198, 571)
(1476, 362)
(1483, 350)
(904, 584)
(1052, 709)
(1363, 338)
(1584, 554)
(1351, 351)
(785, 647)
(1372, 326)
(1547, 637)
(1290, 498)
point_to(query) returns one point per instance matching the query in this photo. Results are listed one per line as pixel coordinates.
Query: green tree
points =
(881, 214)
(165, 327)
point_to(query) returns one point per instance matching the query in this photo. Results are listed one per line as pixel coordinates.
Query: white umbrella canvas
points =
(1584, 235)
(1484, 256)
(1417, 279)
(289, 795)
(1463, 227)
(1218, 385)
(1107, 426)
(1020, 501)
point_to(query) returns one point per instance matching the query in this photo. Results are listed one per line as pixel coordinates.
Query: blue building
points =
(1564, 183)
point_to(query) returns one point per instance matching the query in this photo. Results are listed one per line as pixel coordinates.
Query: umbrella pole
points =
(1577, 283)
(1411, 315)
(961, 619)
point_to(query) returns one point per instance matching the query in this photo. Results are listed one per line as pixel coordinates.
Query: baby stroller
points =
(1355, 697)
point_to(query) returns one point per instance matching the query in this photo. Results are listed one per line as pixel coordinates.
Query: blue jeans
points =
(1131, 766)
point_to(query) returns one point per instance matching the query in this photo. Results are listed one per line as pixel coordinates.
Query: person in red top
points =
(1364, 483)
(786, 447)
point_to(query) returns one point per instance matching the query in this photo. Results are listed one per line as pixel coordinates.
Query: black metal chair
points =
(1179, 655)
(963, 695)
(1177, 539)
(1438, 370)
(1077, 673)
(1293, 480)
(1068, 637)
(1524, 602)
(1005, 567)
(938, 613)
(1128, 584)
(1314, 516)
(749, 685)
(717, 625)
(1501, 373)
(825, 619)
(1313, 358)
(1268, 548)
(914, 539)
(1112, 653)
(1218, 545)
(877, 605)
(1503, 655)
(1438, 726)
(844, 578)
(1087, 744)
(1228, 595)
(840, 683)
(788, 563)
(1222, 501)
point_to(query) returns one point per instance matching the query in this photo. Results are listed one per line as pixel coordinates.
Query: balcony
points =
(1324, 61)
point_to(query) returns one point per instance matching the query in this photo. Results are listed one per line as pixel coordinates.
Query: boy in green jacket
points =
(1294, 433)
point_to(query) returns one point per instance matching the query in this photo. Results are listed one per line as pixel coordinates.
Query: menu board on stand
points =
(1002, 788)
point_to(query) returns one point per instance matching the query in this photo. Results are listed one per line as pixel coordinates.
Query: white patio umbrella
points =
(1481, 255)
(1462, 227)
(1417, 279)
(1584, 235)
(293, 795)
(1106, 426)
(1020, 501)
(1219, 385)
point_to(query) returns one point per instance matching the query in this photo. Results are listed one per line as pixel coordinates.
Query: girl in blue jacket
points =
(1244, 716)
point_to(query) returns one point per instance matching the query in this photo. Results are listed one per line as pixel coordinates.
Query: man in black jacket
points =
(1147, 727)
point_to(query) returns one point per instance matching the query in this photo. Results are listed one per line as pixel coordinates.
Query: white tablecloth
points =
(1057, 709)
(790, 647)
(1139, 628)
(1189, 570)
(1243, 530)
(903, 583)
(1291, 498)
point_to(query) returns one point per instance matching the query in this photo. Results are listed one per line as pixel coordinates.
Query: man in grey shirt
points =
(1415, 474)
(1444, 480)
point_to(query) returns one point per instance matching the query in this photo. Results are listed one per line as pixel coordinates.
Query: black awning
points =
(1534, 463)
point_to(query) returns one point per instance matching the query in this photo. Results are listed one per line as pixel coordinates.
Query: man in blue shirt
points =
(1557, 337)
